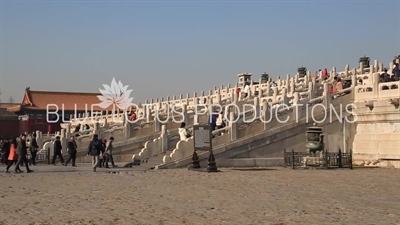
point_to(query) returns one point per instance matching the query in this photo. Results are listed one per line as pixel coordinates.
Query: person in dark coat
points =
(57, 151)
(5, 151)
(34, 148)
(22, 152)
(109, 152)
(71, 149)
(94, 149)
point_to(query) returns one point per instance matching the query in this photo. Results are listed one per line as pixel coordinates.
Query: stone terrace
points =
(291, 91)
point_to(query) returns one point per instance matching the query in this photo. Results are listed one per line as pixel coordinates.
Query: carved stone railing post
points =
(68, 131)
(275, 93)
(296, 78)
(157, 124)
(217, 100)
(292, 86)
(236, 96)
(257, 105)
(285, 99)
(96, 128)
(196, 119)
(268, 89)
(127, 128)
(233, 126)
(354, 72)
(346, 70)
(334, 72)
(306, 80)
(279, 83)
(375, 88)
(233, 95)
(376, 66)
(63, 139)
(296, 98)
(195, 99)
(265, 115)
(361, 68)
(353, 81)
(380, 67)
(164, 138)
(326, 96)
(287, 82)
(310, 90)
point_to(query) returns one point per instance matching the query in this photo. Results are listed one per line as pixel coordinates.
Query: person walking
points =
(57, 151)
(71, 149)
(5, 151)
(22, 152)
(102, 158)
(34, 148)
(109, 152)
(94, 150)
(12, 157)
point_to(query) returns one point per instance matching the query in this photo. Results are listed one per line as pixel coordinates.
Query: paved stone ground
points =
(59, 195)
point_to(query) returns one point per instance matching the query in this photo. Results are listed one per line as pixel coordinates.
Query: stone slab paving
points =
(82, 167)
(59, 195)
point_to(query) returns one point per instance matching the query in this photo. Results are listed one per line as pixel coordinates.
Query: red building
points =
(9, 124)
(46, 110)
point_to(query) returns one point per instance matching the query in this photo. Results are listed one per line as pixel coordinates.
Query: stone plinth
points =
(310, 161)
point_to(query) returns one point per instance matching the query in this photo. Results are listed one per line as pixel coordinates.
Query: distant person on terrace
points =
(384, 77)
(396, 71)
(339, 85)
(86, 128)
(183, 134)
(133, 116)
(77, 129)
(246, 90)
(220, 121)
(325, 74)
(238, 93)
(212, 121)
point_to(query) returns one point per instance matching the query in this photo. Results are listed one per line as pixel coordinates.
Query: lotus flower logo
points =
(116, 94)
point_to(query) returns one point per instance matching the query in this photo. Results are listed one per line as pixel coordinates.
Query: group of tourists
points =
(15, 152)
(101, 152)
(386, 77)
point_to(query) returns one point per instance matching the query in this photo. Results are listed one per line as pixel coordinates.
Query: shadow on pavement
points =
(252, 169)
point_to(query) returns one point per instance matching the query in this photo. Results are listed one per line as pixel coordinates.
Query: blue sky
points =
(166, 48)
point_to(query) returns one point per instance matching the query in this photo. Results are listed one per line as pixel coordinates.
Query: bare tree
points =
(11, 100)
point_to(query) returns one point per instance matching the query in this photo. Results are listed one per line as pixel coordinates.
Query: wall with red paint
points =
(9, 128)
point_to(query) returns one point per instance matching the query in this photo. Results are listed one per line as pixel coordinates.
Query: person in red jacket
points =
(12, 157)
(325, 74)
(238, 91)
(133, 117)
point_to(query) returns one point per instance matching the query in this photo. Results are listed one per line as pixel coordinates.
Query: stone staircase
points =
(235, 137)
(263, 144)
